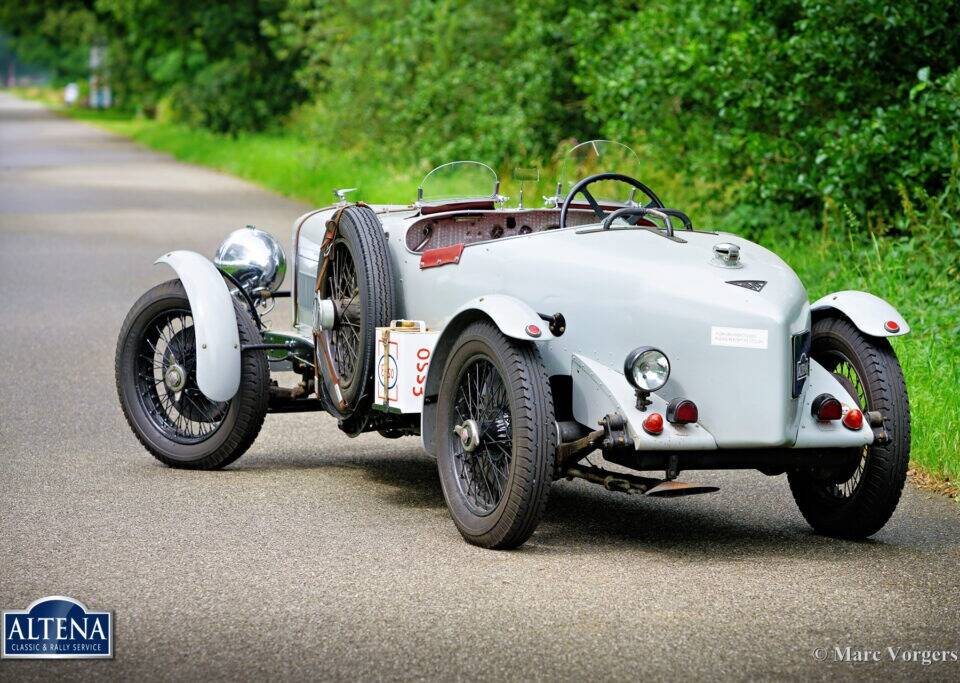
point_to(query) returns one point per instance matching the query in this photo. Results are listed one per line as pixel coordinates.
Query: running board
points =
(630, 483)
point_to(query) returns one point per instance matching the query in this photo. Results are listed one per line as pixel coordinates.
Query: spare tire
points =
(358, 278)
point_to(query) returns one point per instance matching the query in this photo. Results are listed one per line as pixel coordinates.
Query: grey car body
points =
(578, 291)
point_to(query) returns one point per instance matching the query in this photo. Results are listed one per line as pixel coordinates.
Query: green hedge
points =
(796, 102)
(803, 100)
(781, 104)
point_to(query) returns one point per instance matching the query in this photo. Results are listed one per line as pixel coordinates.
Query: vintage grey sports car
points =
(518, 342)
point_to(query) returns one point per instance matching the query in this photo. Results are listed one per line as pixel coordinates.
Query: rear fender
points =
(509, 314)
(870, 314)
(214, 321)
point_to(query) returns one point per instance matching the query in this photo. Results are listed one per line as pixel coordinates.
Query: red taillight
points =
(853, 419)
(533, 330)
(825, 407)
(653, 424)
(891, 326)
(682, 411)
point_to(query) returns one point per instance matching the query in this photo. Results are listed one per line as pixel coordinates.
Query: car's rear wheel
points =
(857, 501)
(156, 383)
(496, 439)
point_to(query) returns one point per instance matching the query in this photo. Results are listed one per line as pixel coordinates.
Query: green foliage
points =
(209, 62)
(918, 270)
(433, 80)
(804, 100)
(795, 103)
(55, 34)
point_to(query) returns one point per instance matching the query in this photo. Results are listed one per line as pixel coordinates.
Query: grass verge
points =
(919, 273)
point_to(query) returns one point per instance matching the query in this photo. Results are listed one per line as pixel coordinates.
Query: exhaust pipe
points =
(675, 489)
(630, 483)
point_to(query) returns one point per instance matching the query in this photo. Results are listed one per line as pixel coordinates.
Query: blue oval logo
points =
(57, 627)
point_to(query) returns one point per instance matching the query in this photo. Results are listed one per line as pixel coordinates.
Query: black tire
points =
(362, 242)
(234, 424)
(519, 489)
(859, 501)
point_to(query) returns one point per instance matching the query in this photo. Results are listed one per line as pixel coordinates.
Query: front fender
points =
(214, 323)
(869, 313)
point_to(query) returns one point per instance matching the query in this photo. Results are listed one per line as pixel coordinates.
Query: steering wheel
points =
(581, 188)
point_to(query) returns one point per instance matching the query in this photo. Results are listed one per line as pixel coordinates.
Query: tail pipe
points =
(631, 483)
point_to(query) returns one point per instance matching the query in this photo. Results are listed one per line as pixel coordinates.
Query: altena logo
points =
(56, 627)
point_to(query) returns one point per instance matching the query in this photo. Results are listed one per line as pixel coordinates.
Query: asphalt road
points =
(318, 556)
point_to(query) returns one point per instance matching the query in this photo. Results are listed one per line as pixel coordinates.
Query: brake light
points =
(682, 411)
(825, 408)
(891, 326)
(853, 419)
(653, 423)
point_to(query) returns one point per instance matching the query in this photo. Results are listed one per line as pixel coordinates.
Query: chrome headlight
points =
(254, 258)
(647, 368)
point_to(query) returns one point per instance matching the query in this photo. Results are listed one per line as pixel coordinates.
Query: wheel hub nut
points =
(469, 434)
(175, 378)
(324, 313)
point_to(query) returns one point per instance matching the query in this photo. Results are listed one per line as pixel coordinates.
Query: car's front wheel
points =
(496, 437)
(156, 370)
(858, 500)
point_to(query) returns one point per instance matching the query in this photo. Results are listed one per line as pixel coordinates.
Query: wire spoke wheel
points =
(156, 376)
(484, 445)
(857, 489)
(357, 282)
(166, 380)
(496, 436)
(845, 372)
(343, 288)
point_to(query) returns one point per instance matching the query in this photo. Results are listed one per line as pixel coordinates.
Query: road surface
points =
(316, 556)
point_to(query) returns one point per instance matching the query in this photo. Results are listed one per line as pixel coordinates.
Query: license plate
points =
(801, 361)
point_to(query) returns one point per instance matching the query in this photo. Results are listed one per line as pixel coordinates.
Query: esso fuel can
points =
(404, 351)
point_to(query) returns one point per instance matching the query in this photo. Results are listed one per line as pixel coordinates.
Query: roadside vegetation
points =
(827, 131)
